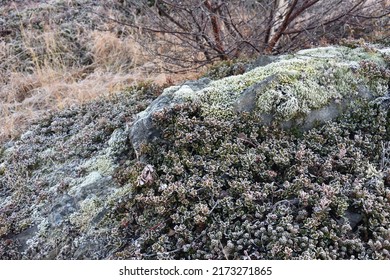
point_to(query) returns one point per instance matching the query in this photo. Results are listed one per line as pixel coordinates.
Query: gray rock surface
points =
(143, 130)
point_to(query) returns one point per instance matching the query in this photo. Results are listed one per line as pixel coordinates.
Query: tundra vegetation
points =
(286, 156)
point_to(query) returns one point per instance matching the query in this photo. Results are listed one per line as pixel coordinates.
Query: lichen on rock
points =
(299, 90)
(306, 81)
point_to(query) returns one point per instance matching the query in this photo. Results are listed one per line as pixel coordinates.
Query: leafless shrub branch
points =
(192, 33)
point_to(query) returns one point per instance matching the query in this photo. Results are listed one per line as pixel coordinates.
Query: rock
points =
(143, 130)
(246, 102)
(262, 60)
(302, 90)
(353, 218)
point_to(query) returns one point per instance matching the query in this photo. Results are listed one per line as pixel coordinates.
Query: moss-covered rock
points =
(306, 81)
(299, 90)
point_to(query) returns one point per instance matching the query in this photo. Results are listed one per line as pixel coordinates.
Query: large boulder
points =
(300, 90)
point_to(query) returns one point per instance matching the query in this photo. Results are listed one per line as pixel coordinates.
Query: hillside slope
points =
(290, 160)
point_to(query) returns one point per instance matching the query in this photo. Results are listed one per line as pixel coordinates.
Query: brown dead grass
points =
(27, 97)
(44, 70)
(115, 54)
(51, 84)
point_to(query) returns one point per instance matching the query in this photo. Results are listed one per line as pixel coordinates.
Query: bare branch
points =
(190, 33)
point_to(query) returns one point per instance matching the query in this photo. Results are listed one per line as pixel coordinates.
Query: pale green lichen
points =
(124, 191)
(102, 164)
(345, 53)
(89, 208)
(93, 177)
(305, 81)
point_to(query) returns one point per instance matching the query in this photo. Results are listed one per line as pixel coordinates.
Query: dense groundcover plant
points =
(214, 183)
(238, 190)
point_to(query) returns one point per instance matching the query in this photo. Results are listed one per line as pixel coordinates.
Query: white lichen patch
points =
(325, 52)
(306, 81)
(184, 91)
(384, 51)
(342, 53)
(289, 107)
(90, 179)
(102, 164)
(43, 227)
(89, 208)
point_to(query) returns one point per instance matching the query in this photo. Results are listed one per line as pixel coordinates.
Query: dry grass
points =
(52, 57)
(41, 71)
(26, 97)
(115, 54)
